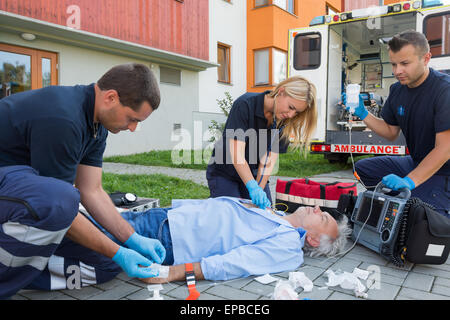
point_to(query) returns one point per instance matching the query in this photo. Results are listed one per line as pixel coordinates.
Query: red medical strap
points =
(190, 281)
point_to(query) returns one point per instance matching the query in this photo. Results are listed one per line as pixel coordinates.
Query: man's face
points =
(317, 222)
(408, 66)
(117, 117)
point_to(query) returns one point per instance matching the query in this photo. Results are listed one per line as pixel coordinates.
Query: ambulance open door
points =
(308, 57)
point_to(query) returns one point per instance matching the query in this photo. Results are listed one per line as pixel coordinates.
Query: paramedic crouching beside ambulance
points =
(258, 128)
(419, 105)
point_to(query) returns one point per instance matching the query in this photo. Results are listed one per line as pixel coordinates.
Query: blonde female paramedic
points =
(258, 128)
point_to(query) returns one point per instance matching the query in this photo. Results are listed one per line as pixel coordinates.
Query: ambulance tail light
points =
(406, 6)
(320, 147)
(407, 151)
(336, 18)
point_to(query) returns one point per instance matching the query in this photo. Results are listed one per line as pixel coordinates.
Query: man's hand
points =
(135, 265)
(360, 111)
(150, 248)
(394, 182)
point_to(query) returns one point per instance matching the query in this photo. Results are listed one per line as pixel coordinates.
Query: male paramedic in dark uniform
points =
(419, 105)
(54, 138)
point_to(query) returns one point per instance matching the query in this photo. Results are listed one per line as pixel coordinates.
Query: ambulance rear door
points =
(308, 57)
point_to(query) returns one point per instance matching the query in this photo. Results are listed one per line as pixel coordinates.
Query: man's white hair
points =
(328, 246)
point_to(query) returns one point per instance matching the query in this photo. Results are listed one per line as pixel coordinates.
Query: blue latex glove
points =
(257, 194)
(361, 110)
(135, 265)
(394, 182)
(149, 248)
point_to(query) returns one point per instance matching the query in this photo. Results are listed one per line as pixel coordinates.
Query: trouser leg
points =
(35, 214)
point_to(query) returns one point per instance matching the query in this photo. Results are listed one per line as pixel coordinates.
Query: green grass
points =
(157, 186)
(291, 164)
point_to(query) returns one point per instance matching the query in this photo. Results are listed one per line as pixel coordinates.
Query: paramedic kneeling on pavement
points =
(419, 105)
(226, 237)
(50, 139)
(258, 128)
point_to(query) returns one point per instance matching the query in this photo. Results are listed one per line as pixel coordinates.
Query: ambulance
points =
(351, 48)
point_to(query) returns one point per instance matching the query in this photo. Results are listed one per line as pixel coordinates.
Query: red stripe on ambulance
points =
(368, 149)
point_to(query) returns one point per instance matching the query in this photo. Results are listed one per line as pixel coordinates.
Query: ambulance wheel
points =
(336, 157)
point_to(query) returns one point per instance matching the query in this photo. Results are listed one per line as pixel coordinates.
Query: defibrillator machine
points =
(376, 219)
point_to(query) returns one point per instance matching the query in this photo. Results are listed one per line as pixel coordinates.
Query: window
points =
(223, 59)
(279, 66)
(23, 69)
(170, 76)
(287, 5)
(260, 3)
(330, 11)
(270, 66)
(307, 51)
(437, 30)
(262, 63)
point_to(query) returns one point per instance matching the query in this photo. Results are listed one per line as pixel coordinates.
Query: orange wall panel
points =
(268, 27)
(164, 24)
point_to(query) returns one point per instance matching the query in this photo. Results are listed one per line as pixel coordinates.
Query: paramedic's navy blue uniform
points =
(246, 122)
(421, 113)
(44, 135)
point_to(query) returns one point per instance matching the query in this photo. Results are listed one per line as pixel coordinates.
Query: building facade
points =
(268, 22)
(75, 42)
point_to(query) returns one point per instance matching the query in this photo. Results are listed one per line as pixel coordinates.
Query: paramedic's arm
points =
(271, 161)
(237, 152)
(381, 127)
(83, 232)
(98, 203)
(434, 160)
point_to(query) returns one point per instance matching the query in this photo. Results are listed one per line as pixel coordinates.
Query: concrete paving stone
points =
(316, 294)
(394, 272)
(312, 272)
(227, 292)
(41, 295)
(259, 288)
(442, 290)
(408, 266)
(342, 296)
(373, 259)
(323, 263)
(345, 264)
(442, 282)
(420, 295)
(207, 296)
(241, 282)
(83, 293)
(431, 271)
(418, 281)
(385, 292)
(116, 292)
(18, 297)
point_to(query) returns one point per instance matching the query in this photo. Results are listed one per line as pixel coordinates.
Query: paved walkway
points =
(414, 282)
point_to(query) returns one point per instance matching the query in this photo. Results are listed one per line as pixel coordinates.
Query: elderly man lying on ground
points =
(227, 238)
(224, 238)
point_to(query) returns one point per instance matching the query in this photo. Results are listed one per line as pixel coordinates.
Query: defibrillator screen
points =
(364, 211)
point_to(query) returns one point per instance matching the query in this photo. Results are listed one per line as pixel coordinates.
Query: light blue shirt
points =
(233, 241)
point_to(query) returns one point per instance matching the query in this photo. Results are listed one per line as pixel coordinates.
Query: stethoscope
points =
(273, 131)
